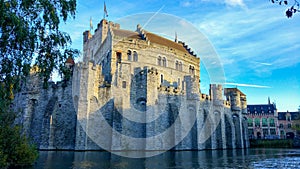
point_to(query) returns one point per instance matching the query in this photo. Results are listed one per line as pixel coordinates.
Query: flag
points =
(105, 11)
(91, 24)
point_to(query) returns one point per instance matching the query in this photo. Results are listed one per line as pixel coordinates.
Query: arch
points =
(230, 131)
(258, 135)
(207, 127)
(135, 56)
(238, 137)
(218, 130)
(290, 135)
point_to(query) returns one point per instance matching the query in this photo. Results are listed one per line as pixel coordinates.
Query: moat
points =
(239, 158)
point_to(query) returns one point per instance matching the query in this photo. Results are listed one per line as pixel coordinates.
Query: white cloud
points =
(247, 85)
(235, 3)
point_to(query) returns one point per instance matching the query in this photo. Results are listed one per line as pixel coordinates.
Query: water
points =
(250, 158)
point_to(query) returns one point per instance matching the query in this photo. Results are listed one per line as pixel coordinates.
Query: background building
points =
(262, 121)
(288, 124)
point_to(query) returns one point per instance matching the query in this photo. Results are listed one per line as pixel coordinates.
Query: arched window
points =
(135, 56)
(164, 62)
(129, 55)
(180, 66)
(192, 69)
(159, 61)
(176, 65)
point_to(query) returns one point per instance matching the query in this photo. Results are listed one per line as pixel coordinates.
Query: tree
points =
(291, 10)
(29, 35)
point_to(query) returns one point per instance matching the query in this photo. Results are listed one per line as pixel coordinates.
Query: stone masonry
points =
(132, 74)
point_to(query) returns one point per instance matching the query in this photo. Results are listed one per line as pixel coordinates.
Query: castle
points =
(134, 90)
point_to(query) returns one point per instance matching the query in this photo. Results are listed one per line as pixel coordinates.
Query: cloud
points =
(236, 3)
(246, 85)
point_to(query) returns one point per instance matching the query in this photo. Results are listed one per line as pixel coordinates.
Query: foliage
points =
(29, 35)
(271, 143)
(291, 10)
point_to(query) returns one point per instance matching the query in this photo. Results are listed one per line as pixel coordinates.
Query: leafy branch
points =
(291, 10)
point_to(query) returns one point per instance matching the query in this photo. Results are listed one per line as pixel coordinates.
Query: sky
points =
(249, 44)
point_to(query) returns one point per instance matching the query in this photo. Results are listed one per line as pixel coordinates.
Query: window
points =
(159, 61)
(250, 132)
(176, 65)
(271, 122)
(119, 57)
(161, 78)
(264, 122)
(250, 122)
(135, 56)
(266, 132)
(257, 122)
(272, 131)
(180, 66)
(124, 84)
(192, 69)
(164, 62)
(129, 55)
(280, 125)
(289, 126)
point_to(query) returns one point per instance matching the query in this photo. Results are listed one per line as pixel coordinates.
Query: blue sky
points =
(256, 45)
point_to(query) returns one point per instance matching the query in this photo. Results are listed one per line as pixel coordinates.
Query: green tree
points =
(294, 6)
(29, 35)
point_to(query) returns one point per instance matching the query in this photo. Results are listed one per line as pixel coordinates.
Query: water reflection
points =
(250, 158)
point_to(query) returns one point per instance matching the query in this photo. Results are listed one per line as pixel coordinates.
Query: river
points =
(240, 158)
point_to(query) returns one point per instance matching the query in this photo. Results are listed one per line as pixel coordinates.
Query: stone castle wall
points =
(94, 110)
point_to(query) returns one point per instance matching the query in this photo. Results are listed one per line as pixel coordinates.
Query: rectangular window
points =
(119, 57)
(124, 84)
(271, 122)
(273, 131)
(264, 122)
(265, 131)
(289, 126)
(257, 122)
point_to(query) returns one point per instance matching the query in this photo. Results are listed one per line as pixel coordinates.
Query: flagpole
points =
(105, 14)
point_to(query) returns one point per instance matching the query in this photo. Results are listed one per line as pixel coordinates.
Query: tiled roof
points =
(261, 108)
(153, 38)
(126, 33)
(165, 42)
(294, 115)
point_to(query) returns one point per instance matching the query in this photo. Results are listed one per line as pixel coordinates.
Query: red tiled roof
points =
(153, 38)
(70, 60)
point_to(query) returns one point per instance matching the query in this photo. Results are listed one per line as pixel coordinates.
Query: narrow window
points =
(161, 79)
(119, 57)
(159, 61)
(129, 57)
(180, 66)
(164, 62)
(176, 65)
(135, 56)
